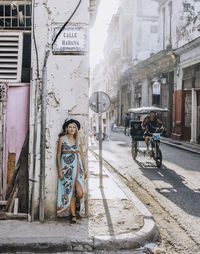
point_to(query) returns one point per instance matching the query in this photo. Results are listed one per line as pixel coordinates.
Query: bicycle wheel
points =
(134, 149)
(159, 158)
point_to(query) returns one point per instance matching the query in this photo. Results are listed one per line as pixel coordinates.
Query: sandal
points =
(73, 219)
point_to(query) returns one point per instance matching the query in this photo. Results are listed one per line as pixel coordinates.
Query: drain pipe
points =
(4, 95)
(32, 197)
(31, 212)
(43, 138)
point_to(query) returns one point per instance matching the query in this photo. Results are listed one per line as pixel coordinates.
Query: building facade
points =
(134, 91)
(162, 65)
(132, 37)
(112, 56)
(45, 72)
(187, 84)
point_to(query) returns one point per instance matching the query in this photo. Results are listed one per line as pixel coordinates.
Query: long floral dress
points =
(72, 168)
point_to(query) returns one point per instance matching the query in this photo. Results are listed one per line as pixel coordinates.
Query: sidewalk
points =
(117, 221)
(185, 145)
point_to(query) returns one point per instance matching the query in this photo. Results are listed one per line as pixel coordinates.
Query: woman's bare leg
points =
(79, 194)
(72, 207)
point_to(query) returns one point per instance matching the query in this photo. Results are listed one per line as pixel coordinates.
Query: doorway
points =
(187, 99)
(198, 117)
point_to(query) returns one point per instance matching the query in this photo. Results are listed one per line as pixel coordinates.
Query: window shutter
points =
(10, 56)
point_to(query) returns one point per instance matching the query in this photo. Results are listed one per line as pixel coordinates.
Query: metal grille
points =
(3, 91)
(10, 56)
(188, 109)
(15, 15)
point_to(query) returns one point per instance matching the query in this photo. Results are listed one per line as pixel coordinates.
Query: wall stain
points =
(70, 110)
(77, 73)
(52, 100)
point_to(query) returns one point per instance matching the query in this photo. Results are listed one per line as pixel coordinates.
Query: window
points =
(186, 7)
(156, 93)
(10, 56)
(15, 15)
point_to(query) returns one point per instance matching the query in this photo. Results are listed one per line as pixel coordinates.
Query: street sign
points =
(73, 39)
(99, 102)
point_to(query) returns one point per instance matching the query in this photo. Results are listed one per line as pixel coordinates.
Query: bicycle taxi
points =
(137, 134)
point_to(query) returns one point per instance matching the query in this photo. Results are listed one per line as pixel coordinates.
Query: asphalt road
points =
(176, 185)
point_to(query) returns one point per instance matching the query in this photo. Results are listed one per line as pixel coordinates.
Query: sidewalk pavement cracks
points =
(116, 220)
(180, 144)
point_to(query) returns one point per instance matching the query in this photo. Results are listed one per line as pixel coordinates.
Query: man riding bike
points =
(149, 125)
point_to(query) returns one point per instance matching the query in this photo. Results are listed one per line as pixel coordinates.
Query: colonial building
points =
(187, 77)
(132, 37)
(143, 29)
(169, 76)
(44, 63)
(112, 56)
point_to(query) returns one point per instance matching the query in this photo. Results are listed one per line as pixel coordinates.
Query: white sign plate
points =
(73, 39)
(104, 102)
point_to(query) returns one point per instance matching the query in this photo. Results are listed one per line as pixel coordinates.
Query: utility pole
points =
(99, 103)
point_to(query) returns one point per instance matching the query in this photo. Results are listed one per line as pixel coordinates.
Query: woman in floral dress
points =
(71, 171)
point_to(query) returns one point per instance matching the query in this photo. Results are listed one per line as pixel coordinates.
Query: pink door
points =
(16, 128)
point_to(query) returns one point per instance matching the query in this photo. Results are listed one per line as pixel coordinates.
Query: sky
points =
(98, 32)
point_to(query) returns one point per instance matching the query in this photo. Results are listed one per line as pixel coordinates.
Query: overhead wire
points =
(62, 28)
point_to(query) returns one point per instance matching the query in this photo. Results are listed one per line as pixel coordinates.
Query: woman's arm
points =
(60, 173)
(83, 159)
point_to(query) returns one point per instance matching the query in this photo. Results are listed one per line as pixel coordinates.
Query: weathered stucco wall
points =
(67, 79)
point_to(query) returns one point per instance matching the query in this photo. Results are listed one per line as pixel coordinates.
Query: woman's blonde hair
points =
(76, 135)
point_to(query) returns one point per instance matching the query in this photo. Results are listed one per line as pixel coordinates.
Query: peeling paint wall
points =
(184, 22)
(67, 79)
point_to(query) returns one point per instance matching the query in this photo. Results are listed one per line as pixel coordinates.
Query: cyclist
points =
(149, 125)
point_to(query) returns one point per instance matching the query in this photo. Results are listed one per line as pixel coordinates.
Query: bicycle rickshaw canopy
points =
(147, 110)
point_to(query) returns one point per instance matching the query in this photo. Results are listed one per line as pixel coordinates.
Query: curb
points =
(180, 147)
(129, 241)
(45, 244)
(148, 233)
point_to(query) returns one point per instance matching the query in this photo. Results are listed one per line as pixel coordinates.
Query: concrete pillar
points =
(145, 99)
(120, 107)
(194, 117)
(179, 78)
